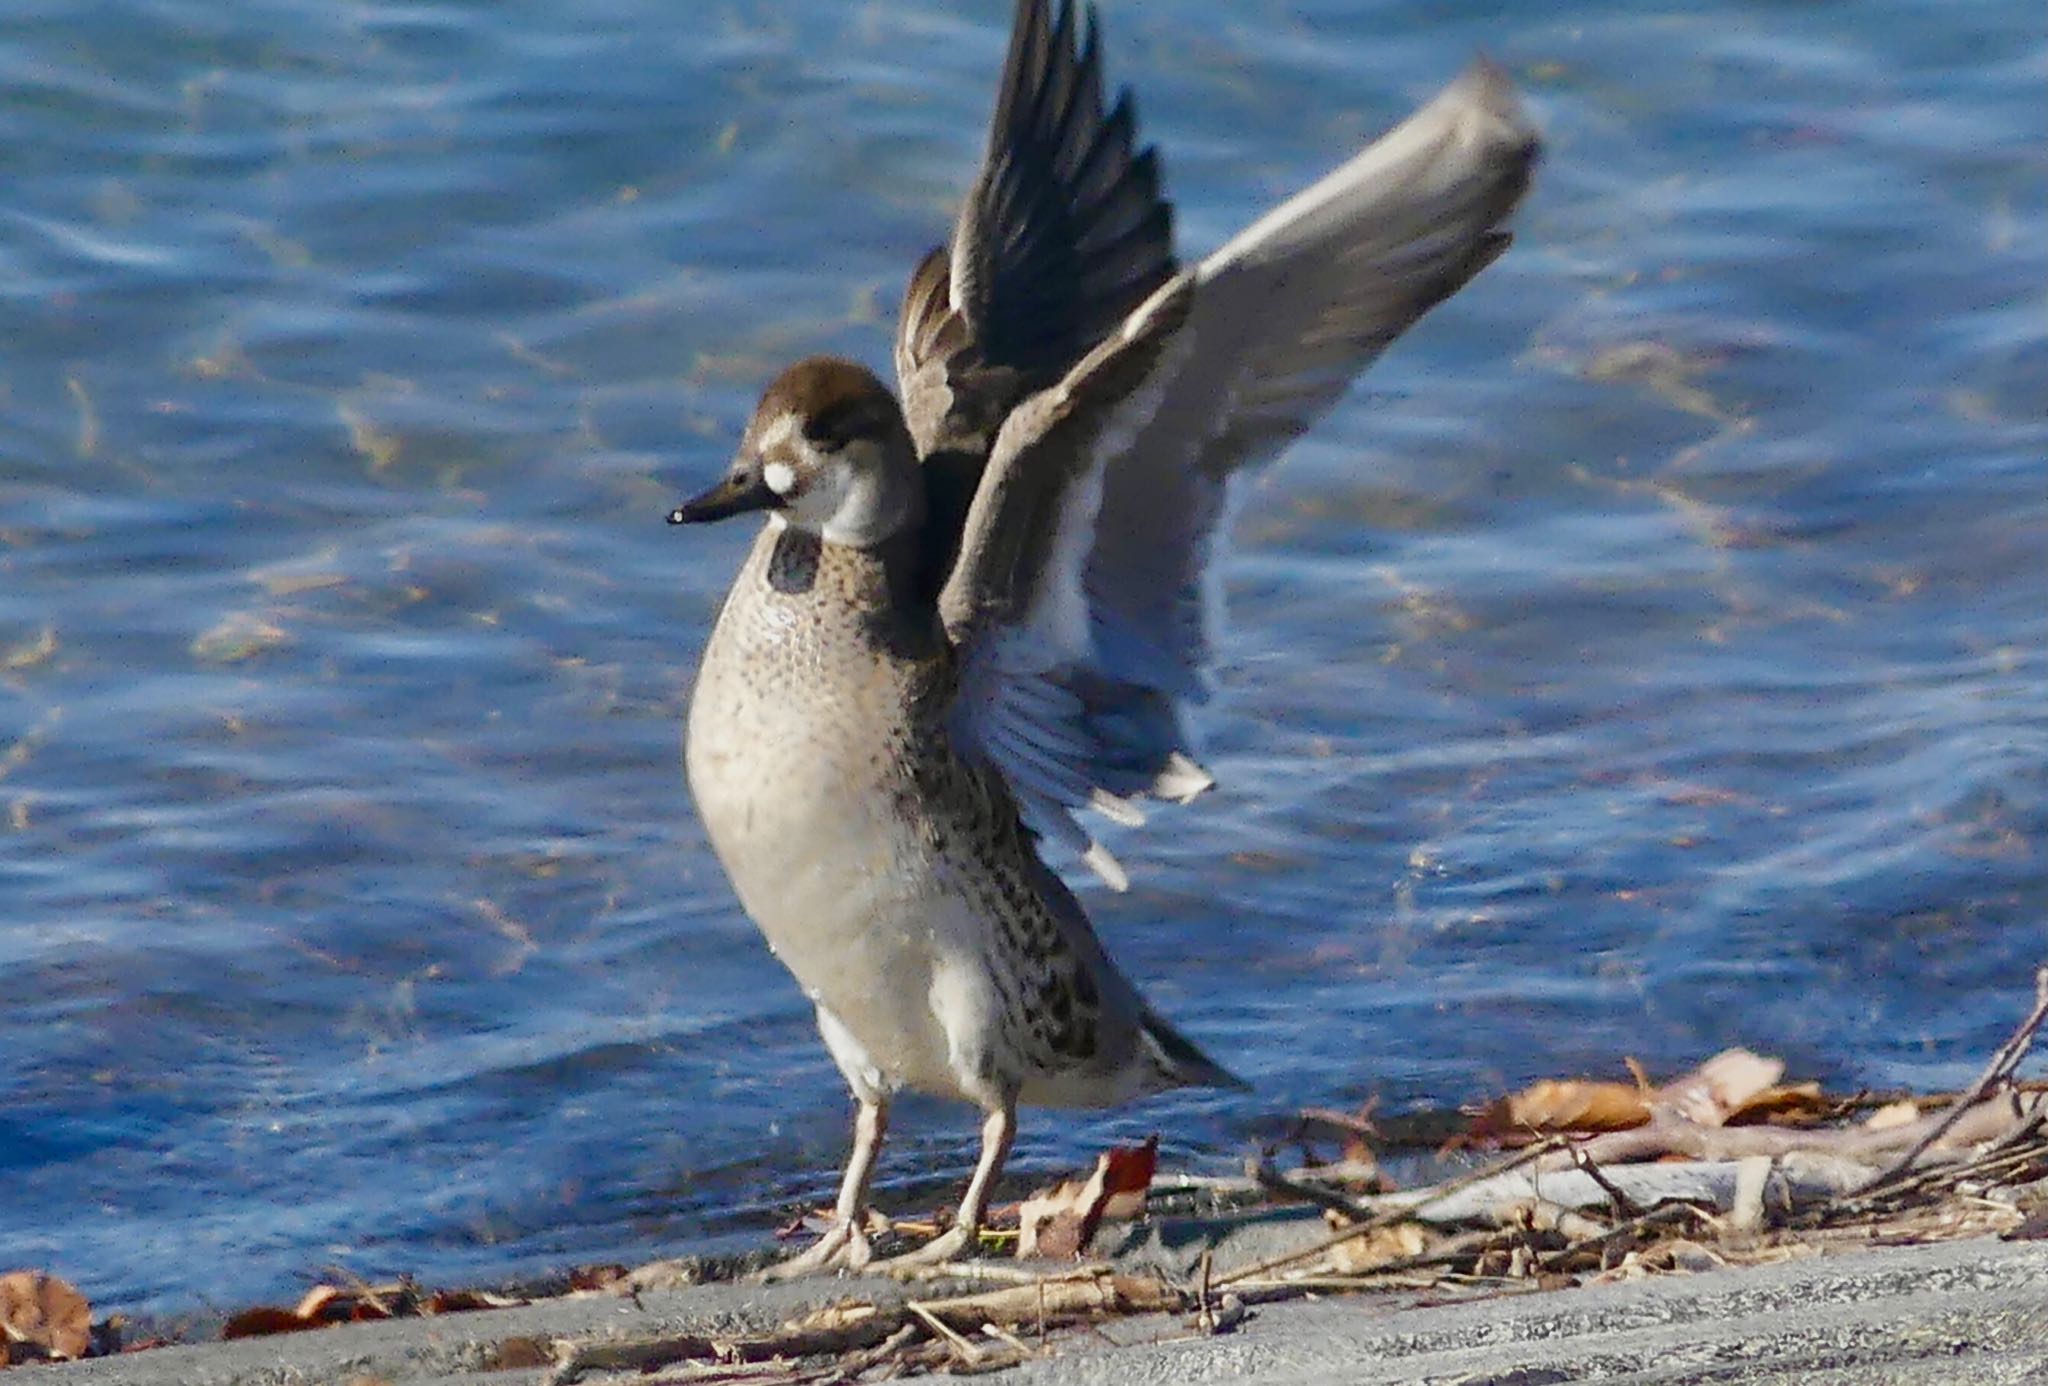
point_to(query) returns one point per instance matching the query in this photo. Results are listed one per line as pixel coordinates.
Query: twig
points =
(958, 1342)
(1295, 1286)
(1008, 1339)
(1234, 1193)
(1062, 1301)
(1391, 1215)
(851, 1368)
(368, 1293)
(2007, 1156)
(1642, 1222)
(999, 1273)
(1272, 1181)
(573, 1359)
(2003, 1062)
(730, 1374)
(1356, 1124)
(1624, 1206)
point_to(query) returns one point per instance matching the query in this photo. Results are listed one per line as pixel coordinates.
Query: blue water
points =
(1653, 656)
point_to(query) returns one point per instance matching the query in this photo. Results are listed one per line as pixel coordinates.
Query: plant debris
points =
(326, 1305)
(1733, 1088)
(359, 1301)
(1063, 1220)
(1725, 1165)
(42, 1319)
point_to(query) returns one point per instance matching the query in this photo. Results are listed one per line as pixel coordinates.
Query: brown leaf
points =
(1049, 1222)
(1127, 1172)
(1062, 1220)
(317, 1308)
(596, 1277)
(1383, 1245)
(264, 1320)
(1794, 1102)
(1892, 1114)
(1575, 1105)
(44, 1314)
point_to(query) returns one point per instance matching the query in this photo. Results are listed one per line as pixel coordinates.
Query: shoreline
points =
(1966, 1311)
(1827, 1236)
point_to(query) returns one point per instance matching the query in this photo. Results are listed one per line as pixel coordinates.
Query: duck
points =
(981, 609)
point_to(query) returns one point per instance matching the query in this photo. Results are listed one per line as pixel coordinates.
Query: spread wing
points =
(1062, 235)
(1080, 600)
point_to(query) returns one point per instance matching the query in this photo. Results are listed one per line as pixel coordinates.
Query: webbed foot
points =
(949, 1245)
(844, 1247)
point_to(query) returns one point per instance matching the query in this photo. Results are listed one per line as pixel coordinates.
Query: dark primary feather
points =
(1065, 231)
(1063, 234)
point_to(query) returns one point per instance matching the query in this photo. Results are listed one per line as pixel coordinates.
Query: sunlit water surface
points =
(1650, 658)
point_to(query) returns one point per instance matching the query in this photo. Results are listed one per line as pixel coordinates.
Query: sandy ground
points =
(1961, 1312)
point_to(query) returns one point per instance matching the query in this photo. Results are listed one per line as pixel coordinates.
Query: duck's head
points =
(826, 451)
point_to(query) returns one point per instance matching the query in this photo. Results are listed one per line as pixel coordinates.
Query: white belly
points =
(805, 815)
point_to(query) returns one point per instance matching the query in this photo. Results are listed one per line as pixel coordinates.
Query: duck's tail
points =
(1181, 1062)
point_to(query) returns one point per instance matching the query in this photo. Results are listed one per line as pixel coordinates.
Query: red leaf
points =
(1062, 1220)
(265, 1320)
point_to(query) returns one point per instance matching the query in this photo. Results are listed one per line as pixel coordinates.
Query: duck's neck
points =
(891, 577)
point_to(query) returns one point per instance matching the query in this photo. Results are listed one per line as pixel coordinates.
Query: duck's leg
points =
(998, 1129)
(845, 1244)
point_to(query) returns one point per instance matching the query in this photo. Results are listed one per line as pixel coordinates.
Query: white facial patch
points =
(777, 435)
(780, 476)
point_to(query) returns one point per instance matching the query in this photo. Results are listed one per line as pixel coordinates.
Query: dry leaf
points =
(1379, 1247)
(1061, 1221)
(264, 1320)
(1574, 1105)
(1892, 1114)
(1800, 1102)
(317, 1308)
(1684, 1254)
(1735, 1085)
(43, 1315)
(512, 1354)
(599, 1277)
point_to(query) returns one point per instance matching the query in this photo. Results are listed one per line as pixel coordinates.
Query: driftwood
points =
(1387, 1217)
(1052, 1302)
(1797, 1179)
(1956, 1128)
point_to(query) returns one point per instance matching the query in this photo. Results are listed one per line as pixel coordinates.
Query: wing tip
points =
(1116, 808)
(1104, 864)
(1182, 780)
(1486, 96)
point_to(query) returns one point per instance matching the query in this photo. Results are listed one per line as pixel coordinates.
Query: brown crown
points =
(833, 398)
